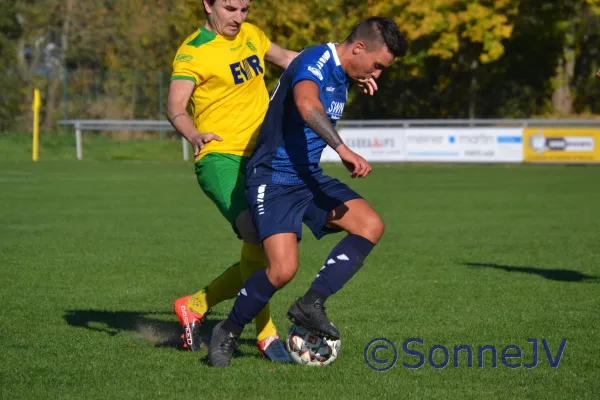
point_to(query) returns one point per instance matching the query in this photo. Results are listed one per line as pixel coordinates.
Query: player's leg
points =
(253, 259)
(277, 214)
(218, 177)
(365, 228)
(191, 309)
(222, 179)
(282, 256)
(357, 217)
(338, 208)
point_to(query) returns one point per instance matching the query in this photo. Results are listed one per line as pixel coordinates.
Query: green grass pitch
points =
(92, 255)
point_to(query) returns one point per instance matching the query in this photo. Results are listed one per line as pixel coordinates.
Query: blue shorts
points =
(282, 208)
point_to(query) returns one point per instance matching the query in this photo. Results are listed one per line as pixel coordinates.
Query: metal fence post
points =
(186, 155)
(160, 101)
(65, 78)
(78, 140)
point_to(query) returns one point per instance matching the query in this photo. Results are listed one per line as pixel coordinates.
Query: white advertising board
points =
(374, 144)
(463, 144)
(433, 144)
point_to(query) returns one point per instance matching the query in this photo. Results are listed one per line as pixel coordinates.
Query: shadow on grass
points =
(147, 325)
(562, 275)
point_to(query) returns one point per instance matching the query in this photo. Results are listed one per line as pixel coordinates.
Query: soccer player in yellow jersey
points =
(219, 70)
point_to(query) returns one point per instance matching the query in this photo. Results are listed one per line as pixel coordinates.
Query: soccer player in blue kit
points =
(285, 186)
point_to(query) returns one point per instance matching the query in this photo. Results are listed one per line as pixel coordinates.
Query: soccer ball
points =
(308, 348)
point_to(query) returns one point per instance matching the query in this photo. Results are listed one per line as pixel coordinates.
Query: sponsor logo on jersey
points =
(250, 46)
(335, 110)
(184, 57)
(246, 69)
(315, 72)
(323, 59)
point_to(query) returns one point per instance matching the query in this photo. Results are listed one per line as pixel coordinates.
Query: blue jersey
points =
(287, 151)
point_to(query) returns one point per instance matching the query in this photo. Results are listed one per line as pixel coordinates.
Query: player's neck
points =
(343, 51)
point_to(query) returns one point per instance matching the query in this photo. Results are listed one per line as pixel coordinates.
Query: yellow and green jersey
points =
(230, 98)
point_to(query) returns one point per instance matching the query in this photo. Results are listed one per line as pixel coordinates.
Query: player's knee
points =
(372, 227)
(379, 228)
(281, 274)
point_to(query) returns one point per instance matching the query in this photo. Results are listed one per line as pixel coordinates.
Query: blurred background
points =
(111, 59)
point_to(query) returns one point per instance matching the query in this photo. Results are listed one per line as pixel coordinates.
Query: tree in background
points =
(10, 96)
(489, 58)
(452, 44)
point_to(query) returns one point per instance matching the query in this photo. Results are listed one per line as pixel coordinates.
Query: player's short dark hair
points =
(380, 31)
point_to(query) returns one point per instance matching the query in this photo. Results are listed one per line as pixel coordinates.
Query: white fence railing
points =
(81, 125)
(436, 140)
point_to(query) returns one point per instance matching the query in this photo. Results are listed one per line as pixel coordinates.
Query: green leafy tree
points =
(10, 88)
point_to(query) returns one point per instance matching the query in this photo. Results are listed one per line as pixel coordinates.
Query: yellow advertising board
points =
(561, 145)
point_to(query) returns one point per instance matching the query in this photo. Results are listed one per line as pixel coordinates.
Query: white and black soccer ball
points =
(308, 348)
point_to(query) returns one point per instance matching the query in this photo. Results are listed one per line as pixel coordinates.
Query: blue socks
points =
(343, 262)
(253, 297)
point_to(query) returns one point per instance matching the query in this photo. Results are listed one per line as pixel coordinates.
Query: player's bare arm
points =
(306, 96)
(279, 56)
(180, 92)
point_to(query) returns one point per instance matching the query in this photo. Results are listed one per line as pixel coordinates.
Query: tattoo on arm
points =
(172, 119)
(318, 121)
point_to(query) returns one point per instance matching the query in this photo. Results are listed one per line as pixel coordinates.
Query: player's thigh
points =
(277, 208)
(336, 207)
(281, 250)
(221, 177)
(357, 217)
(328, 195)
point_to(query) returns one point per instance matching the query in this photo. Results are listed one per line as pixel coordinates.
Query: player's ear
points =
(207, 6)
(358, 47)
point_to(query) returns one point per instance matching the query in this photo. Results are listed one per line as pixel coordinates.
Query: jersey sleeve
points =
(185, 67)
(314, 66)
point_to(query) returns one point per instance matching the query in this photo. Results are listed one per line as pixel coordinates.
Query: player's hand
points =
(358, 166)
(598, 73)
(199, 140)
(368, 86)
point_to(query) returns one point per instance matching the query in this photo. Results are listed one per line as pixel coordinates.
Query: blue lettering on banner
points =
(509, 139)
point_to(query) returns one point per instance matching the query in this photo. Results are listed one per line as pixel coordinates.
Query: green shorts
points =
(222, 178)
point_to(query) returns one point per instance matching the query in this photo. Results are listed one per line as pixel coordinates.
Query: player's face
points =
(226, 16)
(368, 63)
